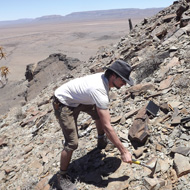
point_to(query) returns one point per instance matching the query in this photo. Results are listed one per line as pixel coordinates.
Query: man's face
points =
(118, 82)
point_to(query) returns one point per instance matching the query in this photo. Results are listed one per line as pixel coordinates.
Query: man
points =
(89, 94)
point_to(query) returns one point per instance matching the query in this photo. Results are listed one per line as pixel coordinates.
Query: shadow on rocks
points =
(94, 168)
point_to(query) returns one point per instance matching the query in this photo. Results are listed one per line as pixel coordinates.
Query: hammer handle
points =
(136, 162)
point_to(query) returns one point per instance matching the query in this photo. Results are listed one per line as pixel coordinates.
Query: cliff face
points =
(158, 50)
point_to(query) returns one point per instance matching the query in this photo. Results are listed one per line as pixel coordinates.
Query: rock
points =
(29, 74)
(173, 175)
(153, 183)
(3, 141)
(113, 96)
(185, 137)
(113, 185)
(42, 185)
(176, 121)
(166, 83)
(159, 147)
(141, 88)
(2, 175)
(173, 62)
(168, 18)
(164, 107)
(167, 187)
(139, 152)
(139, 130)
(9, 169)
(181, 10)
(164, 165)
(115, 119)
(181, 164)
(131, 113)
(175, 103)
(47, 71)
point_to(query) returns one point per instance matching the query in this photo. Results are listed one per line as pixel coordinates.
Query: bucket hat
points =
(122, 69)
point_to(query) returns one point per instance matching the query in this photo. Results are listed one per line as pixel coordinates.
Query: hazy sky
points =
(18, 9)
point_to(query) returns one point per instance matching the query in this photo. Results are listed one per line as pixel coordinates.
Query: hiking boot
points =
(64, 182)
(102, 142)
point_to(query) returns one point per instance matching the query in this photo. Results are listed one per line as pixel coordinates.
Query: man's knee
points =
(74, 146)
(71, 146)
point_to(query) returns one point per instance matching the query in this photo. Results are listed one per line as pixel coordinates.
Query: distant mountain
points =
(14, 22)
(88, 15)
(49, 18)
(115, 13)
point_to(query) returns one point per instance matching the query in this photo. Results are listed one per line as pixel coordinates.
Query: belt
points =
(56, 100)
(56, 103)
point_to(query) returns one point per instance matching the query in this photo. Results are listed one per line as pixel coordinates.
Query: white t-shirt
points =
(89, 90)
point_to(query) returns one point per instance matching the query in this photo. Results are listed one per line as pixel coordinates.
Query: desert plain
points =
(26, 44)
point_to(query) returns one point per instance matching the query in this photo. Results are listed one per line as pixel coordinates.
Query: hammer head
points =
(152, 166)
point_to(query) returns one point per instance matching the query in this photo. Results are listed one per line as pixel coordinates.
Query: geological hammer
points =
(152, 168)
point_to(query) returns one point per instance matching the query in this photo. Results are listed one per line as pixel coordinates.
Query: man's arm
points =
(111, 134)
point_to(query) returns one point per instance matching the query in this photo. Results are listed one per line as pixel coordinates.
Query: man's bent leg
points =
(65, 159)
(67, 122)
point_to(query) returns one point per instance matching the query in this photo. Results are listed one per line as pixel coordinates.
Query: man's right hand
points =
(126, 157)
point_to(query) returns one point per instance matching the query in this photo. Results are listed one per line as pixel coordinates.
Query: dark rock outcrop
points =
(48, 71)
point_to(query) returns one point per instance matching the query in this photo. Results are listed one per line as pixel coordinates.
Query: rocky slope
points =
(158, 50)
